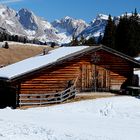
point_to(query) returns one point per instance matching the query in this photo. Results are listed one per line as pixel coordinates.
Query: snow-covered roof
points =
(33, 63)
(55, 56)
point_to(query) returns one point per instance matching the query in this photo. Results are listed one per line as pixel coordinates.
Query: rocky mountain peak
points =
(4, 7)
(102, 16)
(27, 19)
(25, 22)
(70, 25)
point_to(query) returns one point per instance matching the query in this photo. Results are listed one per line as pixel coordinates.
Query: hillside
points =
(18, 52)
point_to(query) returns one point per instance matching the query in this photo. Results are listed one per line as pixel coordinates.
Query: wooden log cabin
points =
(42, 79)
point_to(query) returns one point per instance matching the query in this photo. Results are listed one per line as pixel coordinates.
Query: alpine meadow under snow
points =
(114, 118)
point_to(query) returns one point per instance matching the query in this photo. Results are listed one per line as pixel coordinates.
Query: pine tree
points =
(53, 44)
(99, 41)
(135, 33)
(127, 39)
(24, 40)
(6, 45)
(90, 42)
(121, 36)
(82, 40)
(74, 41)
(16, 38)
(109, 35)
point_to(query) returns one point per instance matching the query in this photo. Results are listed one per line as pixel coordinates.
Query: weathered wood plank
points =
(111, 70)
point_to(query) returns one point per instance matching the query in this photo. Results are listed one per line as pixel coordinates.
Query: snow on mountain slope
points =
(27, 19)
(96, 27)
(9, 21)
(25, 22)
(70, 26)
(115, 118)
(37, 27)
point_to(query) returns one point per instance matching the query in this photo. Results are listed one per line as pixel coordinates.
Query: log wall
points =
(49, 82)
(112, 71)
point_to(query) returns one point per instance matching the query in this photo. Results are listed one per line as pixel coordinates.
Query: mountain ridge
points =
(25, 22)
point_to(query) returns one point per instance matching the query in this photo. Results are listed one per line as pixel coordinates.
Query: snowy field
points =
(114, 118)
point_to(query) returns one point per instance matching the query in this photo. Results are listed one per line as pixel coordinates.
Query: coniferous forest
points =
(123, 36)
(5, 36)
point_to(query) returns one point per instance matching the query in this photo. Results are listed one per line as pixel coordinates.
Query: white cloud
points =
(9, 1)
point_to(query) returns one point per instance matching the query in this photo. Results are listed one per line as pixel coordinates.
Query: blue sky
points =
(84, 9)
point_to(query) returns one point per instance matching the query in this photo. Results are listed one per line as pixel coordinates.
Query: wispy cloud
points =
(9, 1)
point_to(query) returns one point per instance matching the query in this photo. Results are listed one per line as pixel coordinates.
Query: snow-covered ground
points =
(23, 44)
(137, 71)
(114, 118)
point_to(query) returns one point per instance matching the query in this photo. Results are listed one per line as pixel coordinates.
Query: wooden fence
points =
(42, 99)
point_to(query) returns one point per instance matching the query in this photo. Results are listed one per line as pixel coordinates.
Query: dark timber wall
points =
(109, 73)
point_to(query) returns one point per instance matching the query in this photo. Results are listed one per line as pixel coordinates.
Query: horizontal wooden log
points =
(55, 78)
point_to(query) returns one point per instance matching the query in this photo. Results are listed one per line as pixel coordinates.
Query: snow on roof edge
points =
(34, 63)
(12, 71)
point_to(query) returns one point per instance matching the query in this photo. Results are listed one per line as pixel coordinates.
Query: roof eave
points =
(122, 55)
(71, 56)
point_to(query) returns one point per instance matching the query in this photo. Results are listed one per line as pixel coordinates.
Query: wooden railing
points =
(42, 99)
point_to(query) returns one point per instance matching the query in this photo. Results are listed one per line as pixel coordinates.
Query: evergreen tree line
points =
(125, 36)
(23, 39)
(78, 41)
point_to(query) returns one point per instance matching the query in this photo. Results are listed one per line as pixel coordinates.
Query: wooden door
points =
(94, 78)
(86, 77)
(102, 79)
